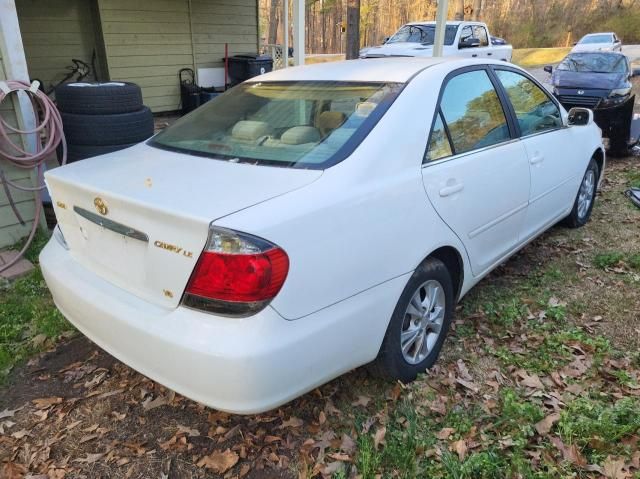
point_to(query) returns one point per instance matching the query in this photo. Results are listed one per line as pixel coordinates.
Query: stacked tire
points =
(100, 118)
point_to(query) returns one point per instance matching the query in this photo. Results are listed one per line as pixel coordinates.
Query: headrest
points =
(330, 120)
(250, 130)
(299, 135)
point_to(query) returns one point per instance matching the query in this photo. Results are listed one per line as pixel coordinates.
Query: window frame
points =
(507, 111)
(512, 110)
(482, 28)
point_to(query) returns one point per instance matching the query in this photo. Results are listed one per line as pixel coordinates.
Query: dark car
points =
(600, 81)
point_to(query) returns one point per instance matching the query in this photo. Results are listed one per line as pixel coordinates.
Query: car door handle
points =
(474, 55)
(536, 159)
(451, 189)
(489, 53)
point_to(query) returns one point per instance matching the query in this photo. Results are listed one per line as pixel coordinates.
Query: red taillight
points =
(239, 277)
(237, 274)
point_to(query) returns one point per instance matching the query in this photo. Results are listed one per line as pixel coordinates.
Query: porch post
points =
(298, 32)
(441, 25)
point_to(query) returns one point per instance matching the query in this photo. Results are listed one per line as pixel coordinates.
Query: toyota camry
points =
(313, 220)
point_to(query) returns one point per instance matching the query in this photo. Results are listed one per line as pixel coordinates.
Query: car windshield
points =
(594, 63)
(596, 39)
(424, 34)
(307, 124)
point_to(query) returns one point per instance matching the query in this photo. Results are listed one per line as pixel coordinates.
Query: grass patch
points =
(28, 317)
(533, 57)
(608, 259)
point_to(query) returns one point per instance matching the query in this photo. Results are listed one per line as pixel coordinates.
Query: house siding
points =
(53, 33)
(11, 230)
(149, 41)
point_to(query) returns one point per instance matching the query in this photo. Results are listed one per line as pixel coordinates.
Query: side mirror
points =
(635, 72)
(575, 43)
(580, 117)
(470, 42)
(386, 39)
(548, 69)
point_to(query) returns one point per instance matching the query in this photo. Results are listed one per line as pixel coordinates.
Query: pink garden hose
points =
(49, 135)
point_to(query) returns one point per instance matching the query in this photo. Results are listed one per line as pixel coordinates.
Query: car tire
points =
(585, 198)
(115, 129)
(431, 289)
(86, 98)
(82, 152)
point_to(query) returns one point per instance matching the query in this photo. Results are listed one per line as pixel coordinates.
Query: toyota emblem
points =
(580, 92)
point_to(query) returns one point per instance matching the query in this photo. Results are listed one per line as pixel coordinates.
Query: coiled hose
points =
(49, 135)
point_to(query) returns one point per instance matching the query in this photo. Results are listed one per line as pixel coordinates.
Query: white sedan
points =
(313, 220)
(593, 42)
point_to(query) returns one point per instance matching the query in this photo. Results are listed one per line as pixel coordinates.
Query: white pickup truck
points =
(466, 39)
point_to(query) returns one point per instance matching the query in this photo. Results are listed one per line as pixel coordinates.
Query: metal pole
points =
(298, 32)
(285, 17)
(441, 25)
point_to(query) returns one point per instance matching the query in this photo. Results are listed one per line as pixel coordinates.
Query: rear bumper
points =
(242, 366)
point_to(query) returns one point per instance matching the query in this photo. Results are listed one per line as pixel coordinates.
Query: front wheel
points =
(419, 324)
(583, 204)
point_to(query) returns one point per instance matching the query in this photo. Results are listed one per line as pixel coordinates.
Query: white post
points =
(15, 68)
(285, 47)
(298, 32)
(441, 25)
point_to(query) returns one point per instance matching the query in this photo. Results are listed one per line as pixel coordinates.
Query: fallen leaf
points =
(90, 459)
(8, 412)
(20, 434)
(444, 433)
(543, 427)
(530, 380)
(150, 404)
(460, 447)
(219, 462)
(569, 453)
(361, 401)
(188, 431)
(347, 444)
(292, 422)
(11, 470)
(378, 437)
(614, 468)
(44, 403)
(87, 438)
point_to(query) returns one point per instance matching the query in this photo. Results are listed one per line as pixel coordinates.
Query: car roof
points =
(385, 69)
(597, 33)
(596, 52)
(449, 22)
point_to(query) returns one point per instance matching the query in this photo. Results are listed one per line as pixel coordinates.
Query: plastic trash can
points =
(248, 65)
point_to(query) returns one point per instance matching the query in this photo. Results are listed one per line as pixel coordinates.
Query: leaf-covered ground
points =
(539, 378)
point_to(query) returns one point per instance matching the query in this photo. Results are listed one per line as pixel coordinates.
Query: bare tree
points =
(459, 10)
(477, 7)
(274, 21)
(353, 29)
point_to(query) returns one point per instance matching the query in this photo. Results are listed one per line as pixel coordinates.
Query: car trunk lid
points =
(139, 218)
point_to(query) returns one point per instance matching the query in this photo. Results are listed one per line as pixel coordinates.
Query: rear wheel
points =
(419, 324)
(583, 204)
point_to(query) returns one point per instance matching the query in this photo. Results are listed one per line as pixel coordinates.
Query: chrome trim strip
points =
(111, 225)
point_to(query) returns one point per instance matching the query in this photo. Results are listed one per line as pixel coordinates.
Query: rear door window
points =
(473, 112)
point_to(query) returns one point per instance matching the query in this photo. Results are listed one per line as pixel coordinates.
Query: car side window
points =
(535, 110)
(466, 33)
(439, 146)
(481, 34)
(473, 112)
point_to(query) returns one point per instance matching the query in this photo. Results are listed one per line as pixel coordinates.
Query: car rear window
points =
(307, 124)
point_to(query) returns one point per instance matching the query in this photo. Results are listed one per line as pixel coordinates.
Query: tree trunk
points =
(459, 12)
(274, 18)
(353, 29)
(477, 7)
